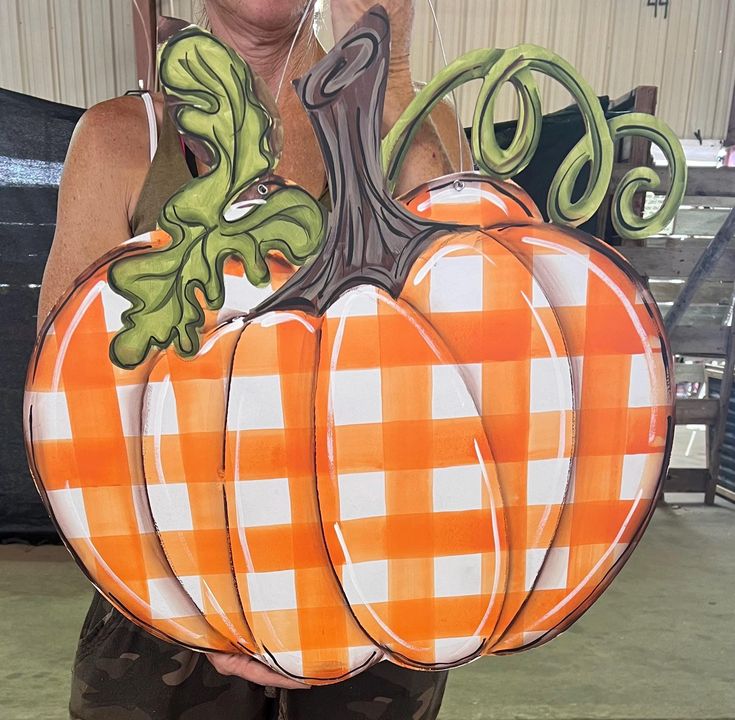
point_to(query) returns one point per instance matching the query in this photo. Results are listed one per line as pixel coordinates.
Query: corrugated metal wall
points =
(81, 51)
(615, 44)
(73, 51)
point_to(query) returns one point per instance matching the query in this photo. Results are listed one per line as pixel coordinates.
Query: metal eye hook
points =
(458, 185)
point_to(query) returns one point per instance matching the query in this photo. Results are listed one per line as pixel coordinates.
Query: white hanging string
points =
(171, 8)
(307, 13)
(460, 129)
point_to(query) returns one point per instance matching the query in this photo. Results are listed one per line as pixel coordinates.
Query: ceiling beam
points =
(145, 17)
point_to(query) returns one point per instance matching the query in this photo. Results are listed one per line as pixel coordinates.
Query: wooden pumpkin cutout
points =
(440, 438)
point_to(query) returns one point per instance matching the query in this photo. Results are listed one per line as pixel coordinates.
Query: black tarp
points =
(34, 136)
(560, 132)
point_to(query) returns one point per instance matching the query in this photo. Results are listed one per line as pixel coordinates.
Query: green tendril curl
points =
(627, 223)
(595, 149)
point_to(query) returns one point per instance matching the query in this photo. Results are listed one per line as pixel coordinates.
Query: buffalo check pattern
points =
(623, 405)
(182, 458)
(289, 591)
(83, 429)
(521, 383)
(458, 471)
(410, 503)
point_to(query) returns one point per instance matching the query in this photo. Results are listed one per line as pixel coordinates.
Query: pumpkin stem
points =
(370, 238)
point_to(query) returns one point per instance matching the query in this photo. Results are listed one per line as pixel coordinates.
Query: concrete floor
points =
(660, 644)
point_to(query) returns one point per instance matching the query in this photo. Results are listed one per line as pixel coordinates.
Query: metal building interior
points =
(661, 643)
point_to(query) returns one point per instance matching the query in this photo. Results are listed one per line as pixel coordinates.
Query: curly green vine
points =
(627, 223)
(595, 149)
(238, 208)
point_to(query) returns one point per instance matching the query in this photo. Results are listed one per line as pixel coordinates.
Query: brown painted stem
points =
(370, 238)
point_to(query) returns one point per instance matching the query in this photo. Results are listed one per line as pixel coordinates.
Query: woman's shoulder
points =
(107, 163)
(116, 131)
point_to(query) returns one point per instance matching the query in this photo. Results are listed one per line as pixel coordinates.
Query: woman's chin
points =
(264, 14)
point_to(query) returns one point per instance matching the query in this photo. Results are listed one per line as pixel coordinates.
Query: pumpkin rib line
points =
(484, 644)
(118, 604)
(592, 594)
(235, 581)
(574, 429)
(35, 475)
(581, 608)
(328, 555)
(161, 544)
(223, 457)
(324, 681)
(474, 655)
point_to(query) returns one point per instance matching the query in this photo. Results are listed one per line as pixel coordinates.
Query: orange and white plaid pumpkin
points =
(456, 469)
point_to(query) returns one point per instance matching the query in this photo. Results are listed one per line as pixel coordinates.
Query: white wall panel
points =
(70, 61)
(11, 66)
(726, 64)
(81, 51)
(38, 46)
(186, 9)
(97, 49)
(124, 48)
(74, 51)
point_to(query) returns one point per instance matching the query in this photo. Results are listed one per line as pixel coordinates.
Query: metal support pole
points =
(144, 29)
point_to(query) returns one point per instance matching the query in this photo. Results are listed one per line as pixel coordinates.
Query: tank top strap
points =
(150, 112)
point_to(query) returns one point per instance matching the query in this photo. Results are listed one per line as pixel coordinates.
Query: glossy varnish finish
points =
(442, 438)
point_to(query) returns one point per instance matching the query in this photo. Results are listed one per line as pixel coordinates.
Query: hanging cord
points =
(307, 12)
(460, 129)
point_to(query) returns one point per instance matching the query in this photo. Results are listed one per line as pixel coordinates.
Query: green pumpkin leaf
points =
(239, 208)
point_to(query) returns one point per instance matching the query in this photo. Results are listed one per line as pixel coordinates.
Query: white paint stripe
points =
(158, 422)
(239, 210)
(278, 318)
(599, 563)
(232, 326)
(657, 390)
(560, 455)
(339, 336)
(241, 530)
(469, 195)
(496, 544)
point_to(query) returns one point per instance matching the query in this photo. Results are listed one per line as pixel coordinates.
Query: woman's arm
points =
(104, 169)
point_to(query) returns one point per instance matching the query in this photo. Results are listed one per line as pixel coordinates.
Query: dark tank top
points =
(170, 169)
(167, 173)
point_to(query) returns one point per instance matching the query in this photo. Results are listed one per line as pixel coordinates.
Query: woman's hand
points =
(249, 669)
(345, 13)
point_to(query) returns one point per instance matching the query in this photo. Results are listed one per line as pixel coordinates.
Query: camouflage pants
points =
(123, 673)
